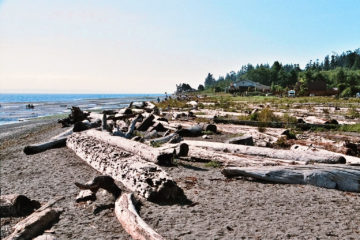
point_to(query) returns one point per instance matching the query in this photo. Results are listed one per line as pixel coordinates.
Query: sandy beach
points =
(221, 208)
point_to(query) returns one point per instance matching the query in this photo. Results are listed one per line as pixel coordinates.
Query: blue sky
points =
(149, 46)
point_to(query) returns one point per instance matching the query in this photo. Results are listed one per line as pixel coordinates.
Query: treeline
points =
(338, 71)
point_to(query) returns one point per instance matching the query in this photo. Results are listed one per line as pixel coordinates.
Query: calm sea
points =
(13, 106)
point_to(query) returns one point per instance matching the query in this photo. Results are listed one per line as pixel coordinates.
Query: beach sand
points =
(220, 209)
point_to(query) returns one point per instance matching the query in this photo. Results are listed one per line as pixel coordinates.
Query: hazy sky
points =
(149, 46)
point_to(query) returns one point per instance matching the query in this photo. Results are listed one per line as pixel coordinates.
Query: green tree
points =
(209, 80)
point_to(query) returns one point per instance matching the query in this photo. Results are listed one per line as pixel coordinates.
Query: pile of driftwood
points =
(131, 146)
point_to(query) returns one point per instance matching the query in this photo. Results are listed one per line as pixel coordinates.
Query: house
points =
(247, 85)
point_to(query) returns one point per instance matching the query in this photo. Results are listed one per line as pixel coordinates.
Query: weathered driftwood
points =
(130, 220)
(76, 115)
(267, 152)
(208, 127)
(350, 160)
(15, 205)
(303, 126)
(206, 155)
(130, 131)
(193, 131)
(179, 149)
(150, 135)
(86, 124)
(172, 138)
(34, 224)
(107, 155)
(146, 123)
(85, 195)
(55, 142)
(104, 182)
(339, 177)
(242, 140)
(144, 151)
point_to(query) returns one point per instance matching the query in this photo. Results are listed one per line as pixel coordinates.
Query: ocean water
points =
(13, 106)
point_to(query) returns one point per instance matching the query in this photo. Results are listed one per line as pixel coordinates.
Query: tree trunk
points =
(266, 152)
(130, 220)
(55, 142)
(146, 123)
(106, 154)
(339, 177)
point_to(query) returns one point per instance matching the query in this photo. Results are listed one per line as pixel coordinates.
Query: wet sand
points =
(220, 209)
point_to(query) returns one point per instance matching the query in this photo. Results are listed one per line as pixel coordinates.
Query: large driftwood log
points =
(34, 224)
(350, 160)
(266, 152)
(15, 205)
(207, 155)
(144, 151)
(340, 177)
(130, 220)
(107, 156)
(55, 142)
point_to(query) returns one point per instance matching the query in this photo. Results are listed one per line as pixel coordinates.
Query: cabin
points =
(247, 85)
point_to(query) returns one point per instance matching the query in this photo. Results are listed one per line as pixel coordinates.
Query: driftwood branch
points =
(55, 142)
(130, 220)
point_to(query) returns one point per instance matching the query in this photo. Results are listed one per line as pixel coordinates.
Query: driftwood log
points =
(350, 160)
(171, 138)
(339, 177)
(146, 123)
(142, 150)
(267, 152)
(34, 224)
(55, 142)
(130, 220)
(130, 131)
(15, 205)
(138, 175)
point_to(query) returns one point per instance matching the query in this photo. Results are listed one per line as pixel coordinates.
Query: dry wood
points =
(130, 220)
(148, 121)
(130, 131)
(15, 205)
(144, 151)
(339, 177)
(34, 224)
(55, 142)
(266, 152)
(350, 160)
(172, 138)
(206, 155)
(138, 175)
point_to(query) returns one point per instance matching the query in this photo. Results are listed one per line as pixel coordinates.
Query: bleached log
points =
(350, 160)
(207, 155)
(144, 151)
(339, 177)
(34, 224)
(266, 152)
(131, 221)
(15, 205)
(55, 142)
(150, 135)
(107, 155)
